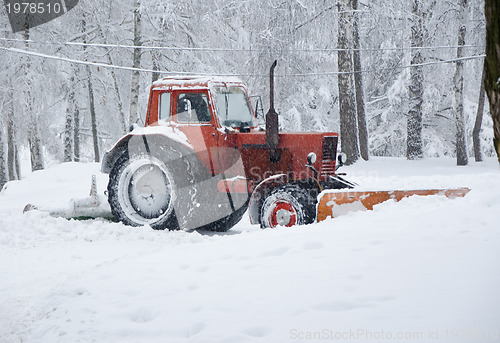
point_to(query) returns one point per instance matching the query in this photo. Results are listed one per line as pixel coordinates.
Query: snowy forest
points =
(404, 74)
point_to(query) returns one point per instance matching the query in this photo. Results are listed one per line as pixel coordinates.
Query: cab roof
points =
(197, 82)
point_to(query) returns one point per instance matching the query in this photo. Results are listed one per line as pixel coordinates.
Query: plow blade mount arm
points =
(336, 203)
(93, 206)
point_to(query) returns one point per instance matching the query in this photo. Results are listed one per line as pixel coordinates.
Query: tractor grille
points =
(329, 156)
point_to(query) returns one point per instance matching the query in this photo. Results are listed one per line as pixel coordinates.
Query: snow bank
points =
(425, 268)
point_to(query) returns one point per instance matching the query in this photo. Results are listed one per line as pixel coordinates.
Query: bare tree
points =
(155, 59)
(492, 62)
(416, 89)
(9, 161)
(90, 88)
(75, 112)
(348, 120)
(115, 83)
(479, 119)
(461, 144)
(13, 164)
(68, 142)
(35, 144)
(358, 83)
(68, 128)
(76, 133)
(4, 174)
(134, 90)
(93, 116)
(34, 139)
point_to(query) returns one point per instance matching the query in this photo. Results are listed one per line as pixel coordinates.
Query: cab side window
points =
(192, 108)
(164, 108)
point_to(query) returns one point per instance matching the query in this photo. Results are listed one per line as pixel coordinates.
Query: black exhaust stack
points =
(272, 135)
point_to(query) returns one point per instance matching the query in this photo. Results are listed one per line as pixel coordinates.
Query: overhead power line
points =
(104, 65)
(213, 49)
(453, 60)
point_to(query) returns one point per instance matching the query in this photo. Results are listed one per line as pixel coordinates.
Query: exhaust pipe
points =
(272, 135)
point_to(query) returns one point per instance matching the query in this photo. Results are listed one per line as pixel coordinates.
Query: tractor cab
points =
(200, 101)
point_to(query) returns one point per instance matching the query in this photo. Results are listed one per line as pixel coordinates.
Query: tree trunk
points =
(155, 57)
(11, 162)
(358, 82)
(17, 163)
(348, 120)
(34, 139)
(68, 129)
(134, 90)
(479, 119)
(93, 118)
(12, 155)
(4, 174)
(461, 144)
(414, 122)
(492, 62)
(76, 134)
(118, 98)
(90, 89)
(76, 116)
(68, 143)
(35, 144)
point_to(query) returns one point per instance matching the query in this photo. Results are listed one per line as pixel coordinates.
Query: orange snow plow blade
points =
(338, 203)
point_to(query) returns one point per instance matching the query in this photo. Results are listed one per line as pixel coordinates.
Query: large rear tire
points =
(287, 205)
(141, 191)
(170, 193)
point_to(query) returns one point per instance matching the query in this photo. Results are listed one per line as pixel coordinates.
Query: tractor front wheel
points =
(287, 205)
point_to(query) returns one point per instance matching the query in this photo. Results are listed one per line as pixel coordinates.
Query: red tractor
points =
(202, 160)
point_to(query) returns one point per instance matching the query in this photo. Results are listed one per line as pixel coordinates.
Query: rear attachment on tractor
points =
(93, 206)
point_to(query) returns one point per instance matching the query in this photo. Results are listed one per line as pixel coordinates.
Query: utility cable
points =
(145, 47)
(104, 65)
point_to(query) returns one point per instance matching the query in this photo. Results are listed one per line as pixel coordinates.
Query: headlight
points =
(342, 158)
(311, 158)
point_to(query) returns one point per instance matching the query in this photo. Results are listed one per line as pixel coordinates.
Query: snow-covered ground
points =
(423, 269)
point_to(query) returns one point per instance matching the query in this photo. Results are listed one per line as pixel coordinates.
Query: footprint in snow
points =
(195, 329)
(203, 269)
(275, 252)
(192, 287)
(258, 331)
(313, 246)
(143, 315)
(384, 298)
(338, 306)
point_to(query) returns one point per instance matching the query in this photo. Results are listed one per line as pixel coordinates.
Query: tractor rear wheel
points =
(287, 205)
(141, 191)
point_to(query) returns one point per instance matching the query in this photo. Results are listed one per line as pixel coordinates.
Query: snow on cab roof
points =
(193, 81)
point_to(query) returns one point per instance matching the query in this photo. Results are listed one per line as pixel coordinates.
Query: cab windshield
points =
(233, 107)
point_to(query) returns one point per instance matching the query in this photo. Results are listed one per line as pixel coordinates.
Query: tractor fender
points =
(139, 138)
(110, 156)
(259, 193)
